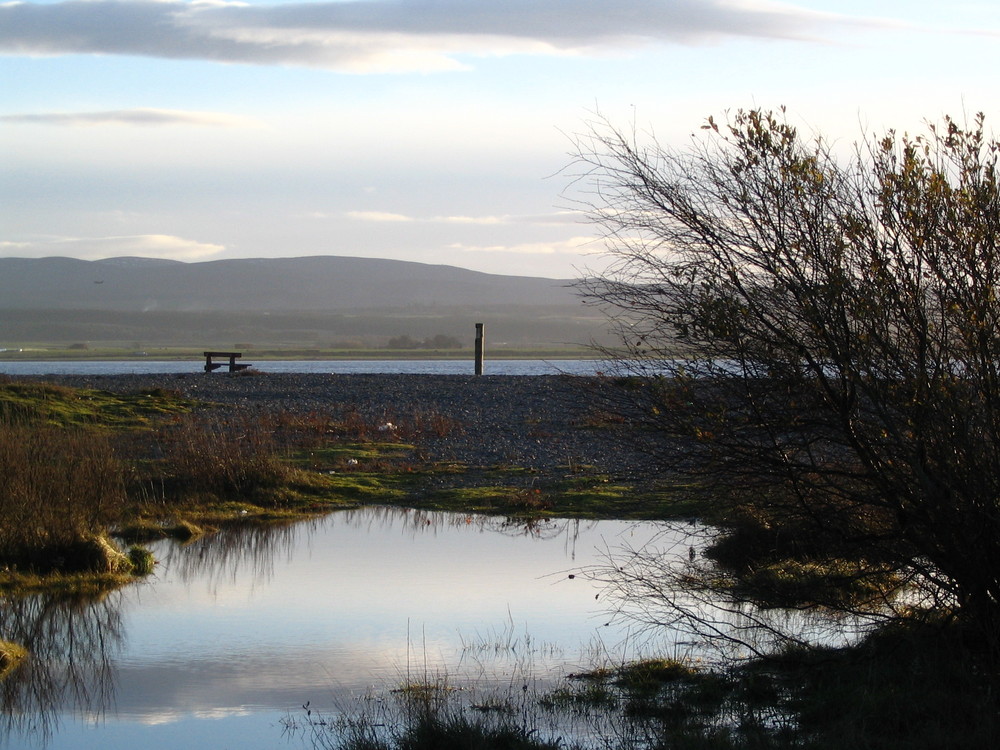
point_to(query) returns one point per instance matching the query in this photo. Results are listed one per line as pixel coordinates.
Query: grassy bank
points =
(86, 473)
(81, 466)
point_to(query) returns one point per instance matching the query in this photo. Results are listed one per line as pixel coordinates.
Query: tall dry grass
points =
(228, 457)
(59, 489)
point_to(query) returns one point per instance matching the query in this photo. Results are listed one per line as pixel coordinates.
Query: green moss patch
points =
(521, 492)
(44, 403)
(362, 487)
(16, 583)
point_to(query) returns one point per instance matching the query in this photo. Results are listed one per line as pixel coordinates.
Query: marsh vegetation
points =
(83, 468)
(187, 470)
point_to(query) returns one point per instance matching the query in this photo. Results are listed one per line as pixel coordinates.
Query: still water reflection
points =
(239, 629)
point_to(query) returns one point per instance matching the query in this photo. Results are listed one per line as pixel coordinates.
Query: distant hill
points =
(322, 301)
(316, 283)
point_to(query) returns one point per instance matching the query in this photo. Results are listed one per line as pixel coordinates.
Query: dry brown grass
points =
(59, 487)
(224, 456)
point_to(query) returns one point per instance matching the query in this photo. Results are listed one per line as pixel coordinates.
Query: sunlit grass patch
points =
(142, 560)
(488, 499)
(11, 656)
(44, 403)
(18, 583)
(305, 495)
(425, 691)
(362, 487)
(589, 495)
(516, 490)
(206, 516)
(147, 530)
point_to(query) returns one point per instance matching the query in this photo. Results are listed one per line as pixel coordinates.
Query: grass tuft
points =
(11, 657)
(142, 560)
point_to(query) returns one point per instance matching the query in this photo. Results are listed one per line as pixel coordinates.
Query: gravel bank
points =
(537, 421)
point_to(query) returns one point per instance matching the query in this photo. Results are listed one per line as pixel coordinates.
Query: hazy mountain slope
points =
(304, 284)
(303, 302)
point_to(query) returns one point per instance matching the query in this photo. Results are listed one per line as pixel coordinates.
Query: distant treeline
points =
(440, 341)
(438, 328)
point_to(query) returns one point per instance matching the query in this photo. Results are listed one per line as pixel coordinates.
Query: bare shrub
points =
(819, 332)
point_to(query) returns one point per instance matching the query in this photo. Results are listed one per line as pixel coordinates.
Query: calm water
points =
(237, 630)
(420, 367)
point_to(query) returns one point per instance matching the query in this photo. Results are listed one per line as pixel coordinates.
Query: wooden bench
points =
(231, 356)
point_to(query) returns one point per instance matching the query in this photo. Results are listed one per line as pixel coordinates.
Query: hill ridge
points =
(304, 283)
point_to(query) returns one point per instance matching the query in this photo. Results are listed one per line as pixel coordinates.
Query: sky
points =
(438, 131)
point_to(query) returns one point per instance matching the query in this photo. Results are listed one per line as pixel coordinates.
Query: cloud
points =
(560, 217)
(476, 220)
(378, 216)
(135, 117)
(160, 718)
(94, 248)
(572, 246)
(389, 35)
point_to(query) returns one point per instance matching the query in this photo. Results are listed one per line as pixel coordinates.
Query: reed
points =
(59, 490)
(436, 716)
(228, 457)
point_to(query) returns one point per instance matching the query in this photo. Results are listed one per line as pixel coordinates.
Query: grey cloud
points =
(558, 22)
(346, 34)
(124, 27)
(141, 117)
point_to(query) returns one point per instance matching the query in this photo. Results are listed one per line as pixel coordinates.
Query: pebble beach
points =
(543, 423)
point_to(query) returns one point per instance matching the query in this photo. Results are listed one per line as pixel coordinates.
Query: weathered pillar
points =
(479, 348)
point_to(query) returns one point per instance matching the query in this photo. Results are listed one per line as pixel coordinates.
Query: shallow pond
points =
(236, 631)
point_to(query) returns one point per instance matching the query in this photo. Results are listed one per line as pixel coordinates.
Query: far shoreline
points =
(293, 355)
